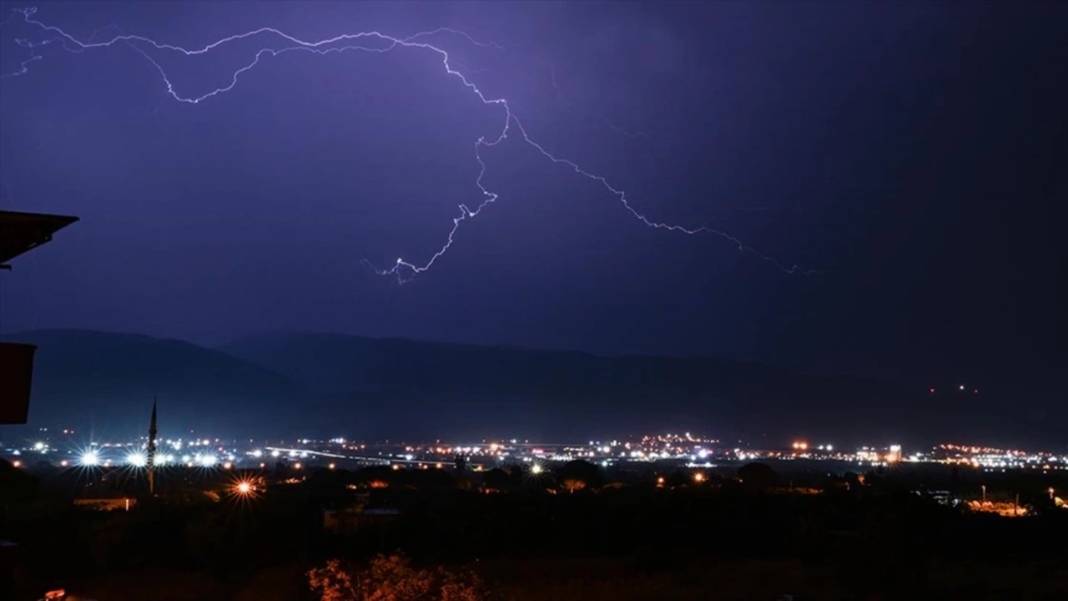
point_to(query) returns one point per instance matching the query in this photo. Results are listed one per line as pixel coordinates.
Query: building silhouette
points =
(19, 233)
(150, 452)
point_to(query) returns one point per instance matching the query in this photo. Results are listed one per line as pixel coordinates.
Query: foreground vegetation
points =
(576, 533)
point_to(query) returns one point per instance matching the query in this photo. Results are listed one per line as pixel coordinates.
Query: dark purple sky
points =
(916, 154)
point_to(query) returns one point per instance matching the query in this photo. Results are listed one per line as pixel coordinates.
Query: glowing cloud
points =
(277, 43)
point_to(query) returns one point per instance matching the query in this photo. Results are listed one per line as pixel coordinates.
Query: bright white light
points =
(89, 458)
(136, 459)
(535, 469)
(38, 446)
(207, 460)
(257, 453)
(275, 453)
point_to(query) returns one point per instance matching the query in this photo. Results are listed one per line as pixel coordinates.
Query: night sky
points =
(914, 156)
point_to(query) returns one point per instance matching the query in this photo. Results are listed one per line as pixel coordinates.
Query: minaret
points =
(150, 454)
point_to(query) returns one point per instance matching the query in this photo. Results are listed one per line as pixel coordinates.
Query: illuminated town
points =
(67, 450)
(259, 462)
(359, 490)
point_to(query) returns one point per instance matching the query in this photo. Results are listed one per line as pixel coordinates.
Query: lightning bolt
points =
(372, 42)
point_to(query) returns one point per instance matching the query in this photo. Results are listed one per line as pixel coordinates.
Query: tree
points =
(578, 474)
(332, 582)
(757, 476)
(393, 578)
(497, 479)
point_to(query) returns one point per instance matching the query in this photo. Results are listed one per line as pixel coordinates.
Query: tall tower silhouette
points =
(150, 454)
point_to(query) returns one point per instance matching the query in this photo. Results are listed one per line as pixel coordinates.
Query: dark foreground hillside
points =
(570, 533)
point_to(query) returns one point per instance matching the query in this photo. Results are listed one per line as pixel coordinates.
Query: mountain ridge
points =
(289, 383)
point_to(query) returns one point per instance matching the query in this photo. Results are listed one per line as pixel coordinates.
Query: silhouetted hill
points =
(108, 380)
(413, 386)
(381, 388)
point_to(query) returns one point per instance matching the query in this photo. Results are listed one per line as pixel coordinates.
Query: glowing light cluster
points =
(89, 459)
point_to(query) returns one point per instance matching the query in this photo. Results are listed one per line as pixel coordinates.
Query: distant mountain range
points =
(289, 384)
(107, 381)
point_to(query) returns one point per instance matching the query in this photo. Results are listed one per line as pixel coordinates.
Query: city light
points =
(136, 459)
(691, 452)
(698, 477)
(895, 454)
